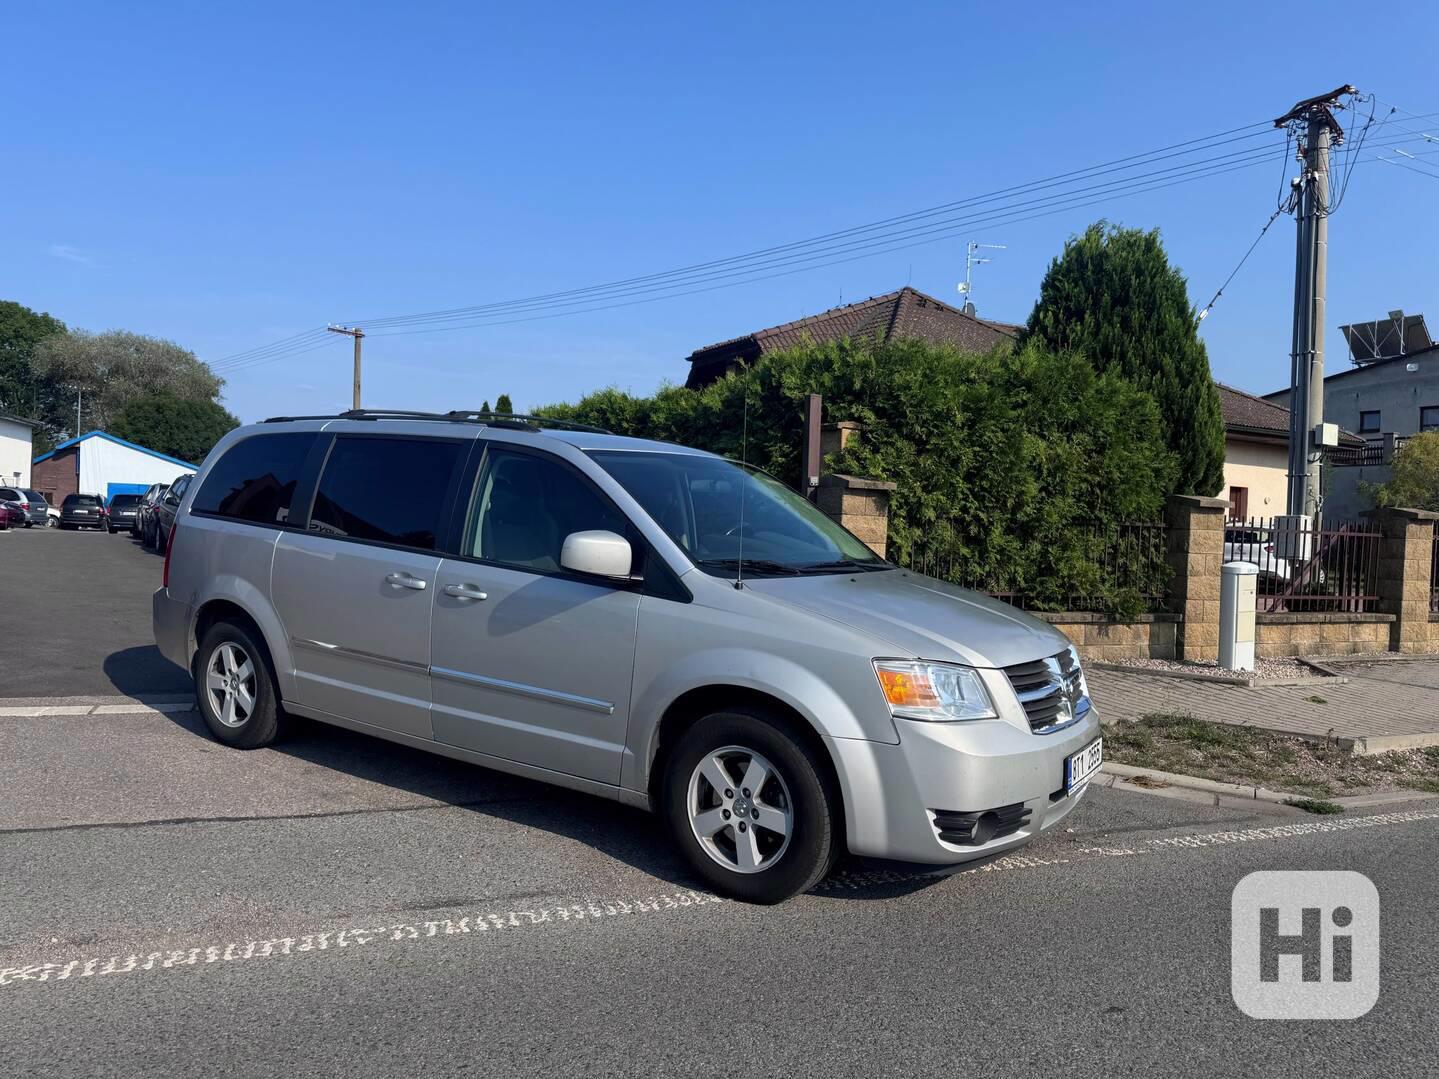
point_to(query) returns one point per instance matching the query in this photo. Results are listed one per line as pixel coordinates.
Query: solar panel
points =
(1385, 338)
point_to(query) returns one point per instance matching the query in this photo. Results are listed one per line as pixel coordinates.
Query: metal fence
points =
(1105, 562)
(1434, 575)
(1332, 567)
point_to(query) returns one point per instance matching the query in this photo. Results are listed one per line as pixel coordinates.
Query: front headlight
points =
(940, 692)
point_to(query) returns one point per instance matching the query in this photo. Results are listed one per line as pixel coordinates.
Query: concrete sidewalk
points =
(1386, 704)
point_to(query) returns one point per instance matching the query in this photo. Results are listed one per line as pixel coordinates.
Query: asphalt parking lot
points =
(337, 905)
(77, 616)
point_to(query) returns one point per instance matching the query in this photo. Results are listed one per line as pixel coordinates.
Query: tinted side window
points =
(524, 508)
(255, 480)
(391, 490)
(10, 493)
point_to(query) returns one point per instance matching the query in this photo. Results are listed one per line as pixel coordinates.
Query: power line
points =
(855, 243)
(1272, 218)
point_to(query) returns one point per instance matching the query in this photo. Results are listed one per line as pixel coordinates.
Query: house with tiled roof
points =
(907, 313)
(1256, 453)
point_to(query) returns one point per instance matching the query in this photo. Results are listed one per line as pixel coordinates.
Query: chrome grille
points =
(1050, 691)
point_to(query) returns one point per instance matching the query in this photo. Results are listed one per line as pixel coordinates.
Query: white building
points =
(101, 464)
(16, 449)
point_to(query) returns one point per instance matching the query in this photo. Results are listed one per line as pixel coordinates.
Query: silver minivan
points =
(633, 619)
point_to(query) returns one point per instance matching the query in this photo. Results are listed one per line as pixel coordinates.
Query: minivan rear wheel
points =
(749, 805)
(234, 687)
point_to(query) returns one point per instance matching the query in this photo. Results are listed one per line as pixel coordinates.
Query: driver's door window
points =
(524, 507)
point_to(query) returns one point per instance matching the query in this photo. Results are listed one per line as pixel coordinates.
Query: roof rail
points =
(519, 421)
(506, 420)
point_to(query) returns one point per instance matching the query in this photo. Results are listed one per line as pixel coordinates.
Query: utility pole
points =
(1317, 130)
(359, 335)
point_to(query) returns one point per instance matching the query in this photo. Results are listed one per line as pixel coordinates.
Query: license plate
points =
(1079, 767)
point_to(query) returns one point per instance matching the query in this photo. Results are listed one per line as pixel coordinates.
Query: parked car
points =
(31, 503)
(139, 527)
(52, 517)
(83, 511)
(638, 620)
(1245, 544)
(162, 514)
(123, 510)
(12, 515)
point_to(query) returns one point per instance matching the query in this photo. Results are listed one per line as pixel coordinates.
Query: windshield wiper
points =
(761, 565)
(843, 564)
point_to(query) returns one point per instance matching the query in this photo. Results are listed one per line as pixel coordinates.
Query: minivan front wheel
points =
(748, 804)
(234, 687)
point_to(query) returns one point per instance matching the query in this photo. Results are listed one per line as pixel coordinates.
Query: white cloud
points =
(72, 254)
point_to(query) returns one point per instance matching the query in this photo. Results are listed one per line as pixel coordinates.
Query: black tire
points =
(265, 720)
(813, 843)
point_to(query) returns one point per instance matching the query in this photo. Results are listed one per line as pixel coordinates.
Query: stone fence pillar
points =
(860, 505)
(1195, 551)
(1404, 566)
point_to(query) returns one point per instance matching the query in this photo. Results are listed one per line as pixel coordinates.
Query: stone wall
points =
(1321, 634)
(860, 505)
(1150, 636)
(1195, 551)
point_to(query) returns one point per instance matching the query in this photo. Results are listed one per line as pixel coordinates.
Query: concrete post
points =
(1404, 554)
(860, 505)
(1195, 551)
(834, 437)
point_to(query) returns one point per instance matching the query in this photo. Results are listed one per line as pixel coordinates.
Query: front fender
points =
(816, 699)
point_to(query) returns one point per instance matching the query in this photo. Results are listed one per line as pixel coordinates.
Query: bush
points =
(1007, 464)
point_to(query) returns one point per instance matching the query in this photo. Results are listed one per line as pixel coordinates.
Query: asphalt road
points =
(75, 615)
(342, 906)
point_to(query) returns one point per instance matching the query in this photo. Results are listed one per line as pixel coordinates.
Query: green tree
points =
(1415, 482)
(503, 406)
(177, 426)
(117, 367)
(23, 392)
(486, 406)
(1113, 296)
(1007, 464)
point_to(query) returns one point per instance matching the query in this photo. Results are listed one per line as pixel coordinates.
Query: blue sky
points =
(226, 176)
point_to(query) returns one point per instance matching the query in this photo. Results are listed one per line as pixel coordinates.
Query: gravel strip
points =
(1280, 667)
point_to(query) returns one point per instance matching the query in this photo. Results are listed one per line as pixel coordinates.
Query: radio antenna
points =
(743, 460)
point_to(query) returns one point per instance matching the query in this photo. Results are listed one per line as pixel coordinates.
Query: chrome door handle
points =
(464, 591)
(404, 580)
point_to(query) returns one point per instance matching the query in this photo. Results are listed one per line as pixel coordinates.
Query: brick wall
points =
(55, 477)
(860, 505)
(1151, 636)
(1321, 634)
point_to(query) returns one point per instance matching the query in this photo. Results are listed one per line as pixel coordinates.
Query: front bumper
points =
(891, 791)
(170, 622)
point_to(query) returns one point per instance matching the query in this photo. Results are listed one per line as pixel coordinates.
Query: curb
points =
(1125, 773)
(30, 707)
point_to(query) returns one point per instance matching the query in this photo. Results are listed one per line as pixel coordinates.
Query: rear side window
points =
(386, 490)
(255, 480)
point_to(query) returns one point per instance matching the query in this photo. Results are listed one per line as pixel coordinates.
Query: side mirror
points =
(598, 553)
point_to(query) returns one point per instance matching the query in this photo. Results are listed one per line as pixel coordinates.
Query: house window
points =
(1238, 503)
(1369, 423)
(1429, 418)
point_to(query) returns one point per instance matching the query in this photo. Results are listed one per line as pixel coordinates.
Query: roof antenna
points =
(743, 460)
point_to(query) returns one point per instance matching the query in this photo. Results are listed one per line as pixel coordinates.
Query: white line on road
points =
(591, 912)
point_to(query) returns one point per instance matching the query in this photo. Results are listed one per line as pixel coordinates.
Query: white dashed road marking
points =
(593, 912)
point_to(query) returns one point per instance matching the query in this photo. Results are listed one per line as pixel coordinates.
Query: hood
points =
(920, 616)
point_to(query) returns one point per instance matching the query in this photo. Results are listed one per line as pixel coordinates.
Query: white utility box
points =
(1237, 587)
(1293, 538)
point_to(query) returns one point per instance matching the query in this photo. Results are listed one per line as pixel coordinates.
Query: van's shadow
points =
(632, 836)
(143, 671)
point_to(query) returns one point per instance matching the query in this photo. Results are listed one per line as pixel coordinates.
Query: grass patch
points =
(1312, 771)
(1314, 805)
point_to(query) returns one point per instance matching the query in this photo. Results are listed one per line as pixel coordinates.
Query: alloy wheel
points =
(740, 809)
(230, 684)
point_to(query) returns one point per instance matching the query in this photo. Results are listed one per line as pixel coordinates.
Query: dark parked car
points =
(84, 511)
(12, 515)
(123, 511)
(162, 519)
(139, 528)
(32, 504)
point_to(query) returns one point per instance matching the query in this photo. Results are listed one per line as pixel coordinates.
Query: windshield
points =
(697, 501)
